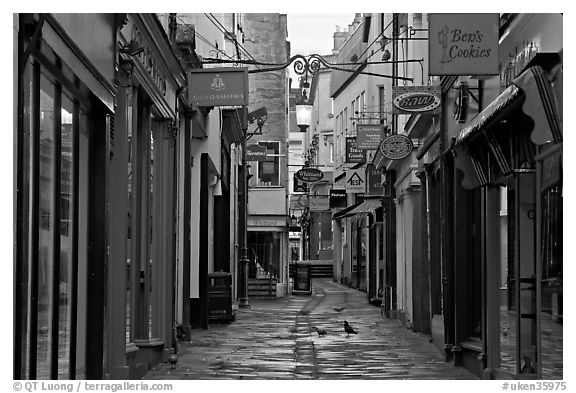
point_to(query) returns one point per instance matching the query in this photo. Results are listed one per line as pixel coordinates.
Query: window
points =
(268, 171)
(381, 100)
(52, 242)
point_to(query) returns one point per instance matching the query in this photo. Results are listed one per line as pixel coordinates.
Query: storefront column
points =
(116, 304)
(337, 248)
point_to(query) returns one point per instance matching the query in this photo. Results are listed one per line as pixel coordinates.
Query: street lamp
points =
(303, 112)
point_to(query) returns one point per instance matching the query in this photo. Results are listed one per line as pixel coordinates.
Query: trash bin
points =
(220, 297)
(302, 280)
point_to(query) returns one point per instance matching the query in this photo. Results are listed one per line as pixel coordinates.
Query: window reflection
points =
(46, 227)
(66, 231)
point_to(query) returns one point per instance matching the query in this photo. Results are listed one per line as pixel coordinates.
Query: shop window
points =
(52, 243)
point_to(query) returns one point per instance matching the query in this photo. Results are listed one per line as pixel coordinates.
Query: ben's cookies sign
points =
(463, 44)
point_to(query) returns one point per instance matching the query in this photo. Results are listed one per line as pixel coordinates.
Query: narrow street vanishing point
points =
(277, 339)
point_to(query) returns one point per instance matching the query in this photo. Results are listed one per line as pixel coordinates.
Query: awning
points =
(368, 206)
(489, 148)
(338, 215)
(533, 91)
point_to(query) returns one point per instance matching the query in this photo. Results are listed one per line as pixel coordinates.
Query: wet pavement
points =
(275, 339)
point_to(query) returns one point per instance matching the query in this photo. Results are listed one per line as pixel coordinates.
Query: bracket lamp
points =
(303, 112)
(133, 48)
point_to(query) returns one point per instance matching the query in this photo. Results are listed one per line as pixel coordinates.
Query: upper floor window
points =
(267, 172)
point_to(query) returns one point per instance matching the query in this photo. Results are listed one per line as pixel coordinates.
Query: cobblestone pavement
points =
(274, 339)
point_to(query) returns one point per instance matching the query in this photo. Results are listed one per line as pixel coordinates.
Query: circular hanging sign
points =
(396, 147)
(309, 175)
(416, 101)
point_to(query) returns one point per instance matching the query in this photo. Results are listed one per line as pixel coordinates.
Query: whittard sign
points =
(218, 86)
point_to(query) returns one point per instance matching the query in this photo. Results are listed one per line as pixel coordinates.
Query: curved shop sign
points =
(396, 147)
(416, 99)
(309, 175)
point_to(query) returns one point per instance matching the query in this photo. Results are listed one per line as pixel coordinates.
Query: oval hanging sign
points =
(309, 175)
(396, 147)
(416, 101)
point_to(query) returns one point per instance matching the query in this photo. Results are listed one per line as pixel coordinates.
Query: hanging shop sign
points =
(463, 44)
(299, 186)
(416, 99)
(396, 147)
(309, 175)
(369, 136)
(355, 180)
(353, 154)
(255, 153)
(337, 198)
(218, 86)
(373, 181)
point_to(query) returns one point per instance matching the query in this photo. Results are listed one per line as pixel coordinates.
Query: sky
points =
(310, 33)
(313, 33)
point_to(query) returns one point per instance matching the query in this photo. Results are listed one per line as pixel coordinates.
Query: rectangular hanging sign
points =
(226, 86)
(369, 136)
(463, 44)
(353, 154)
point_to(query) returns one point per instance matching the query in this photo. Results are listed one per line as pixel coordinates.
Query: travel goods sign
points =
(463, 44)
(218, 86)
(353, 154)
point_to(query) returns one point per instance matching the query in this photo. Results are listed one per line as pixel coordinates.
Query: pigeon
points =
(338, 308)
(320, 332)
(348, 329)
(173, 359)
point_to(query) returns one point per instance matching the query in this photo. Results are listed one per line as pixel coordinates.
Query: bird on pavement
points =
(338, 308)
(173, 359)
(348, 329)
(321, 332)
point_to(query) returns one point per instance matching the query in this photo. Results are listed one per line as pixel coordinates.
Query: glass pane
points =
(131, 228)
(66, 231)
(551, 316)
(46, 227)
(507, 311)
(151, 219)
(83, 193)
(26, 212)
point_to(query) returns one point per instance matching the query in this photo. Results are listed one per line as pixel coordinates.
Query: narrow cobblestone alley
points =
(275, 339)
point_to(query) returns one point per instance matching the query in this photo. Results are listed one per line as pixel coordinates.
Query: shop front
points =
(65, 107)
(267, 253)
(510, 156)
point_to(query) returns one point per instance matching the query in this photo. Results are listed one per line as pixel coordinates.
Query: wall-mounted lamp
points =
(386, 55)
(385, 52)
(213, 179)
(133, 48)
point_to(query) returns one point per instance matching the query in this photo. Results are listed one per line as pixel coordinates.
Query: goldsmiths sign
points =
(218, 86)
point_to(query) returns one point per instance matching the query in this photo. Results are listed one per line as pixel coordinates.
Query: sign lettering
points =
(463, 44)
